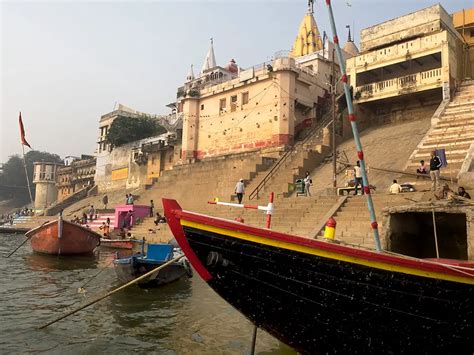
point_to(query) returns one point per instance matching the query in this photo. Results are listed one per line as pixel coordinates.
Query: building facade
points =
(416, 53)
(464, 23)
(75, 176)
(229, 110)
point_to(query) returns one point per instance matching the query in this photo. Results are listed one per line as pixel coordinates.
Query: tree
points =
(129, 129)
(13, 185)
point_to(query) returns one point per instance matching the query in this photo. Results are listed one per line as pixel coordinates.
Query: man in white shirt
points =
(395, 188)
(358, 178)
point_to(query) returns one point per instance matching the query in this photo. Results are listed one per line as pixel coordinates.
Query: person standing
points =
(435, 165)
(126, 199)
(307, 184)
(130, 199)
(240, 190)
(358, 178)
(91, 212)
(105, 201)
(152, 206)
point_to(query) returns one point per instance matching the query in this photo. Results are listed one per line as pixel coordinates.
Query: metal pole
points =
(435, 233)
(333, 87)
(254, 340)
(28, 180)
(355, 131)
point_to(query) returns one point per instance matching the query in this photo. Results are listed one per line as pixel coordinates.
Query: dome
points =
(232, 67)
(351, 48)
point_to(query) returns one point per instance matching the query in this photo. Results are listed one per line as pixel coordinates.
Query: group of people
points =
(434, 170)
(10, 217)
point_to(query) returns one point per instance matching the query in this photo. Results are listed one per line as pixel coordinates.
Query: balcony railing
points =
(410, 83)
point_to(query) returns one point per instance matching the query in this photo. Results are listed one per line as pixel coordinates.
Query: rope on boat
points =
(134, 281)
(355, 131)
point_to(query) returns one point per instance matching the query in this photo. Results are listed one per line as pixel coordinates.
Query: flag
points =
(22, 133)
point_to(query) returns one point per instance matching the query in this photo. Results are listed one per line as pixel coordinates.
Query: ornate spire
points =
(190, 76)
(308, 39)
(210, 61)
(350, 46)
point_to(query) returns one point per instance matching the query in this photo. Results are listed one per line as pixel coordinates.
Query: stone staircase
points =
(68, 201)
(353, 218)
(453, 130)
(304, 156)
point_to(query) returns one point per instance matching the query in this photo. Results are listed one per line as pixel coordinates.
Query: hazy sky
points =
(65, 63)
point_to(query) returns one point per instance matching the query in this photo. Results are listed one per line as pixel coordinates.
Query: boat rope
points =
(355, 130)
(100, 298)
(82, 289)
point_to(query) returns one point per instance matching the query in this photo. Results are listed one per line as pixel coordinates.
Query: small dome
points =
(351, 48)
(232, 67)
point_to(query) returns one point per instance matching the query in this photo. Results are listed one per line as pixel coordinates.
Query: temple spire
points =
(210, 60)
(308, 39)
(349, 38)
(190, 76)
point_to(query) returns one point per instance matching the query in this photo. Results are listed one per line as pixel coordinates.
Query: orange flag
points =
(22, 133)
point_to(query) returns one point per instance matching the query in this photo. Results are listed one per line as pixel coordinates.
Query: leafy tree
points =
(13, 185)
(129, 129)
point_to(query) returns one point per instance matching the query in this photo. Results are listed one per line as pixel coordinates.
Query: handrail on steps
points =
(327, 118)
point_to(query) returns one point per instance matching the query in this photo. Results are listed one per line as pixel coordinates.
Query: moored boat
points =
(129, 268)
(61, 237)
(321, 297)
(119, 243)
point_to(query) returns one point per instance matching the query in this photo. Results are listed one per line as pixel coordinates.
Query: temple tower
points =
(308, 39)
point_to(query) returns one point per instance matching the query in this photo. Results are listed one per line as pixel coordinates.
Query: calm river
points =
(186, 317)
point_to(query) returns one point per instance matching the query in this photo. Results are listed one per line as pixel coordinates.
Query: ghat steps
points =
(453, 131)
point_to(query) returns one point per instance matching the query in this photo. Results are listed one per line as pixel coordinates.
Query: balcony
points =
(417, 82)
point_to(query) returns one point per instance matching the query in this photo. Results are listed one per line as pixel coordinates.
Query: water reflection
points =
(41, 262)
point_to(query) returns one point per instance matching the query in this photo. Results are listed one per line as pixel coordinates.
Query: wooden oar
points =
(27, 239)
(112, 292)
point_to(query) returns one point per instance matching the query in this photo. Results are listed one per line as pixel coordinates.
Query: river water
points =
(185, 317)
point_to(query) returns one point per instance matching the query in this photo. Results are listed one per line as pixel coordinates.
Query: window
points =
(472, 33)
(233, 103)
(245, 98)
(222, 105)
(202, 107)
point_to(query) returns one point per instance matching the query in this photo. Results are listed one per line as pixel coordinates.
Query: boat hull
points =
(74, 240)
(323, 298)
(116, 243)
(128, 269)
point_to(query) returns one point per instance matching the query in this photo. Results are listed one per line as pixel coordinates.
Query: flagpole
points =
(28, 180)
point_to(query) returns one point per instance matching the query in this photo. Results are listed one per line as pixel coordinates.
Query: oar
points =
(27, 239)
(134, 281)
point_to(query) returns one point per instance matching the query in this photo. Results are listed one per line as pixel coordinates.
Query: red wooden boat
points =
(61, 237)
(118, 243)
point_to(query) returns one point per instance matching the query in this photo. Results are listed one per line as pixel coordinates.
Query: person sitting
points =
(159, 219)
(463, 193)
(395, 188)
(443, 193)
(422, 169)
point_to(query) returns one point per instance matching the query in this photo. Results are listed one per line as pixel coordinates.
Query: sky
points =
(64, 64)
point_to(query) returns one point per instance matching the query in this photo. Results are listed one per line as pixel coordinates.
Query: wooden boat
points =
(129, 268)
(119, 243)
(61, 237)
(321, 297)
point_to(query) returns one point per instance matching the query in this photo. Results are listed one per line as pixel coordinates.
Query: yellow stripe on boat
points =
(327, 254)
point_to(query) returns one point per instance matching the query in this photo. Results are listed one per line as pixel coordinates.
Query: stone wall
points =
(401, 222)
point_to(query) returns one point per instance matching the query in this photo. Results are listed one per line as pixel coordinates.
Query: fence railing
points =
(311, 133)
